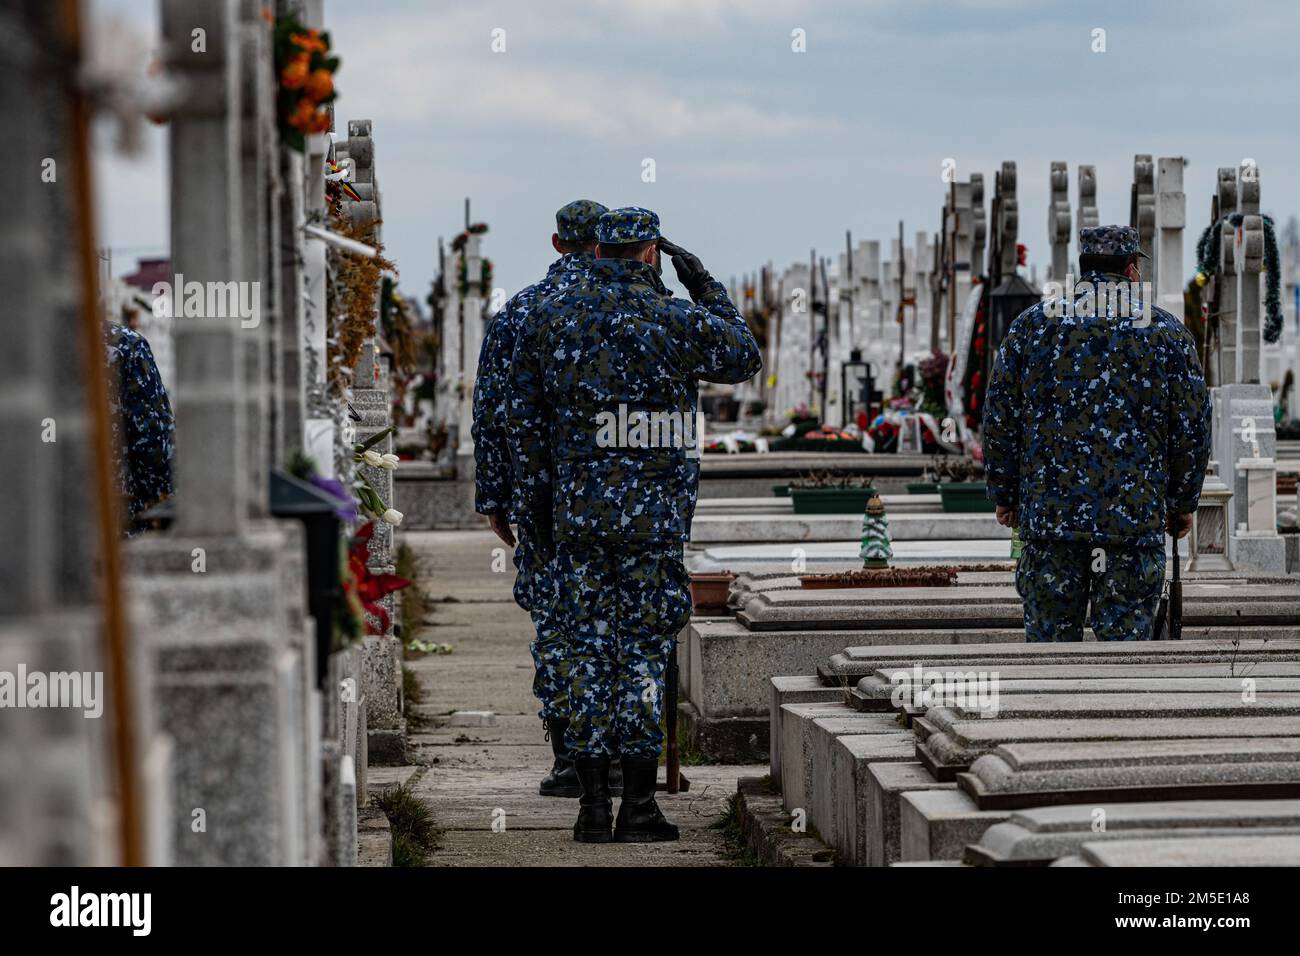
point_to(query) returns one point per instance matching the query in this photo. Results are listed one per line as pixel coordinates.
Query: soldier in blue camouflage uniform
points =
(144, 432)
(575, 240)
(1096, 439)
(604, 419)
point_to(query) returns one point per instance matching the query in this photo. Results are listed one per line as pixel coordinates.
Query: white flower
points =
(371, 457)
(389, 462)
(393, 517)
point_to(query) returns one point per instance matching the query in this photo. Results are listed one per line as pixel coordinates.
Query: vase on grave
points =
(876, 550)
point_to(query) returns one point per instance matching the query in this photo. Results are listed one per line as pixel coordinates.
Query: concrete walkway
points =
(472, 776)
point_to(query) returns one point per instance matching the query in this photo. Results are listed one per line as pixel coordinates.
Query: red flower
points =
(371, 588)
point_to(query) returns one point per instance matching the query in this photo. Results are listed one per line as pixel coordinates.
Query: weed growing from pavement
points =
(415, 834)
(737, 850)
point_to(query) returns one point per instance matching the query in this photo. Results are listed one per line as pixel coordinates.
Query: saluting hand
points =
(690, 270)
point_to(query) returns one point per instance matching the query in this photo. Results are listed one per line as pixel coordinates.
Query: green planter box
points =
(922, 488)
(831, 501)
(966, 497)
(781, 491)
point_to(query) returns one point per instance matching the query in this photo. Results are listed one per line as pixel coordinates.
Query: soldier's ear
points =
(555, 242)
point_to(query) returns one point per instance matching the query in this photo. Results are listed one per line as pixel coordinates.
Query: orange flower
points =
(309, 41)
(320, 122)
(320, 84)
(302, 116)
(294, 75)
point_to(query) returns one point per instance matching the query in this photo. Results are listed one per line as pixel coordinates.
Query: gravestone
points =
(225, 625)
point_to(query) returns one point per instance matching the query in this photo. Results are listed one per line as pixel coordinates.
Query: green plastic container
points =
(922, 488)
(831, 501)
(966, 497)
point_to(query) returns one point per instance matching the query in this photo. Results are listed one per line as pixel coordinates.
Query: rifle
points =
(1176, 599)
(1170, 611)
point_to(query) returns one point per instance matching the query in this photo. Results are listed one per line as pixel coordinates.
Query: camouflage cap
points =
(1110, 241)
(576, 222)
(629, 224)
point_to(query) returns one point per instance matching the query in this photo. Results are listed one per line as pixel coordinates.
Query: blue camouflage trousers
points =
(1056, 579)
(621, 604)
(534, 592)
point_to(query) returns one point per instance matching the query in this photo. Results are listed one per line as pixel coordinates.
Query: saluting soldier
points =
(603, 414)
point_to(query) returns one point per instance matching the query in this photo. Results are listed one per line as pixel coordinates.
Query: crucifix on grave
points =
(1058, 222)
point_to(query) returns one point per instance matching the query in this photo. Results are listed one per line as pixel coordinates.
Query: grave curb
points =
(765, 829)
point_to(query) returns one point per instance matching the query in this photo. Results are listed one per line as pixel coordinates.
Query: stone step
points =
(948, 747)
(1040, 835)
(1019, 775)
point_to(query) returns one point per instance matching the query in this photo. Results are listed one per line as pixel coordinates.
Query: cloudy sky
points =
(760, 152)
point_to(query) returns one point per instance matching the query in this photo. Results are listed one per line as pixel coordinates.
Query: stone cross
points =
(1248, 259)
(1143, 211)
(1171, 218)
(1008, 219)
(1226, 280)
(1058, 222)
(1088, 216)
(471, 340)
(964, 237)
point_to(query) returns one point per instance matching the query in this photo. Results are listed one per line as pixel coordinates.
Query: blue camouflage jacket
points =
(1097, 423)
(141, 418)
(603, 409)
(493, 476)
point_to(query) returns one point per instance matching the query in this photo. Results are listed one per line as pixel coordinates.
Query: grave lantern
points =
(318, 512)
(1006, 302)
(1210, 524)
(863, 391)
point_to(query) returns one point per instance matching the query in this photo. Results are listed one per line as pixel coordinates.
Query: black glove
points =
(690, 270)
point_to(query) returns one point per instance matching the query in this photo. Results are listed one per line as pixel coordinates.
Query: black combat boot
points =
(562, 781)
(639, 819)
(595, 808)
(615, 777)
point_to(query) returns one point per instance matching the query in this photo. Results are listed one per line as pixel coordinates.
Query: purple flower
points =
(347, 509)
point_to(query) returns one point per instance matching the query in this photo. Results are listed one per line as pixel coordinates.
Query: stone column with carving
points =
(1058, 221)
